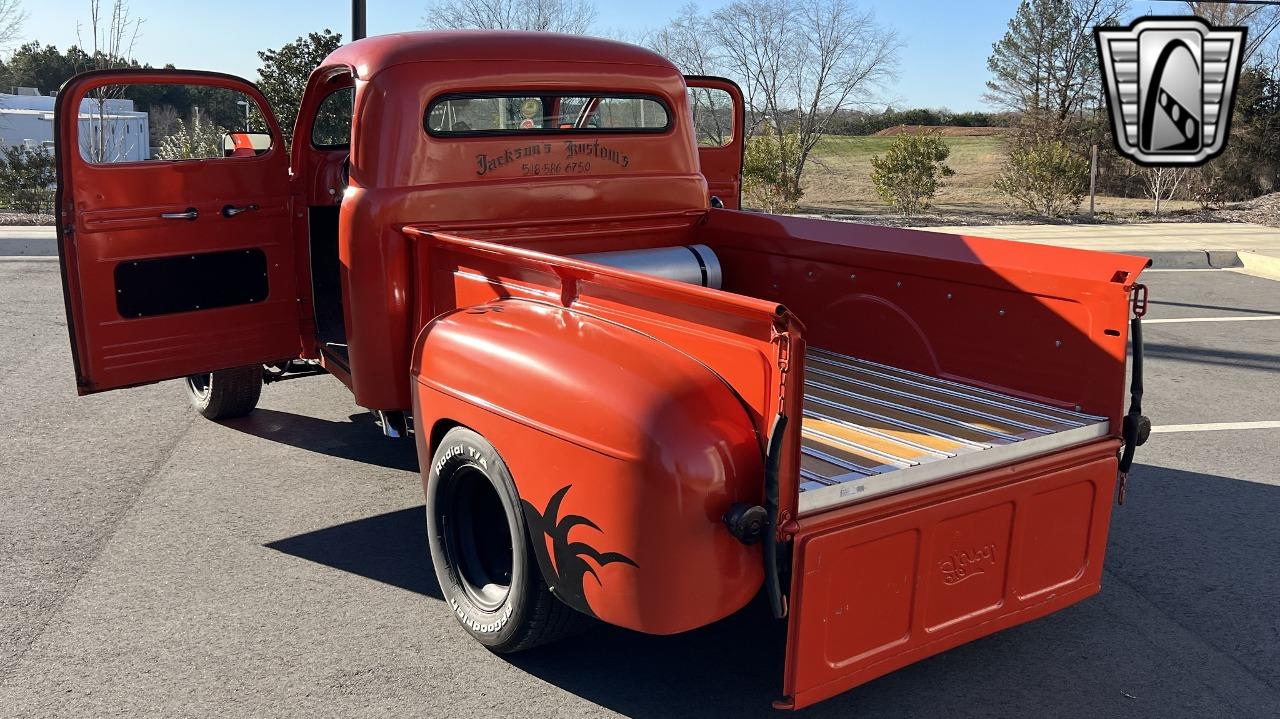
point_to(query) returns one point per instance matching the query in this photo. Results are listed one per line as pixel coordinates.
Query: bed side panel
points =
(1023, 319)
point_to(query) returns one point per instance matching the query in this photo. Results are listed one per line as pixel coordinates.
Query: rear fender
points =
(626, 454)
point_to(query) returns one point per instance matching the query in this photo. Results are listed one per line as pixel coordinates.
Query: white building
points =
(110, 130)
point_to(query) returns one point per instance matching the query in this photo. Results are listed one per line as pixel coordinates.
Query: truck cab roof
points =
(372, 55)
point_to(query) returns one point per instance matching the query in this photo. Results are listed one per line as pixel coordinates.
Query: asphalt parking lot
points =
(154, 563)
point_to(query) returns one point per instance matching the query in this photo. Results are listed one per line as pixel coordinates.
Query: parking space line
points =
(1187, 269)
(1252, 318)
(1216, 426)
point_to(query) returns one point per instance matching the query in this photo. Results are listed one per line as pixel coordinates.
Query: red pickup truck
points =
(631, 400)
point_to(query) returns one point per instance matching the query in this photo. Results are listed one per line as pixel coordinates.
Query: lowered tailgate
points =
(881, 584)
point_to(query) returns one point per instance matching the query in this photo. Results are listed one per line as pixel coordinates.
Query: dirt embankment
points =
(1263, 210)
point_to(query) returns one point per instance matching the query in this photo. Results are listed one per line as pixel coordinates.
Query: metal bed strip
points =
(872, 431)
(900, 423)
(903, 463)
(930, 381)
(832, 459)
(815, 477)
(857, 489)
(935, 402)
(990, 401)
(921, 413)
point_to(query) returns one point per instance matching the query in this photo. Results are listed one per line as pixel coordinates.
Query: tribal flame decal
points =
(570, 568)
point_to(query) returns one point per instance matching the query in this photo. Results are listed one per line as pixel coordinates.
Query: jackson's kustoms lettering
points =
(566, 575)
(486, 163)
(595, 149)
(576, 152)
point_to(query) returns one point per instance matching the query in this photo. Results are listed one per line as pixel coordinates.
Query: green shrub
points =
(27, 180)
(766, 185)
(1046, 177)
(197, 141)
(911, 172)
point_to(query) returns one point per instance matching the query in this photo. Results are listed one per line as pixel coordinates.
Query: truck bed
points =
(871, 428)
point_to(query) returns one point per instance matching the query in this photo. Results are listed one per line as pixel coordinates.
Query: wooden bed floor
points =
(863, 420)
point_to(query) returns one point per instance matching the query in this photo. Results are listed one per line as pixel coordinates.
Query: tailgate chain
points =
(1136, 427)
(782, 338)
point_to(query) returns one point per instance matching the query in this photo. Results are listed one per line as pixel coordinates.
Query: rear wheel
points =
(227, 393)
(479, 546)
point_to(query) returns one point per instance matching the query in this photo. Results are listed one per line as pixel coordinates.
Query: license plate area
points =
(883, 584)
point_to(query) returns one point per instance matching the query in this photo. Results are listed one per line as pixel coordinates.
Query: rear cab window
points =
(487, 114)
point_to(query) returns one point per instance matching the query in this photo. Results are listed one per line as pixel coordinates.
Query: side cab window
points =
(332, 127)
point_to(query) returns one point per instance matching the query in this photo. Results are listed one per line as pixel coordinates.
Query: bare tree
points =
(113, 32)
(1161, 183)
(799, 65)
(1045, 67)
(687, 42)
(574, 17)
(163, 122)
(1262, 21)
(11, 19)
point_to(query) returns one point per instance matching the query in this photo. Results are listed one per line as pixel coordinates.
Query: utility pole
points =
(1093, 177)
(358, 30)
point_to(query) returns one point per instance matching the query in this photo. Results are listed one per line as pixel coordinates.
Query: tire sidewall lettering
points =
(490, 627)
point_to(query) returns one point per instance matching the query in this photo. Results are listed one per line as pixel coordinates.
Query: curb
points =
(28, 247)
(1256, 263)
(1191, 259)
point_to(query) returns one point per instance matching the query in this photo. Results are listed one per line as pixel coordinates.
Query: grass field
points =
(838, 179)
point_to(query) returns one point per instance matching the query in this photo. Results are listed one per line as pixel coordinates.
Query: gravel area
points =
(24, 219)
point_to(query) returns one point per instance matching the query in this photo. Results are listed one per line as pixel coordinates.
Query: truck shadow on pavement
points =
(1199, 355)
(1186, 612)
(1228, 308)
(358, 439)
(390, 548)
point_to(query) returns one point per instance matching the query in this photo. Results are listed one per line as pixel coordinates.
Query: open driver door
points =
(177, 257)
(718, 119)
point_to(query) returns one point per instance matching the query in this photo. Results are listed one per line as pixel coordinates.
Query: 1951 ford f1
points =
(631, 400)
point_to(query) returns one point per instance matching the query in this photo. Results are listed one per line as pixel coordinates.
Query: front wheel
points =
(227, 393)
(476, 533)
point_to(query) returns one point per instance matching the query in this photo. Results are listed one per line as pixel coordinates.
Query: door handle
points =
(232, 210)
(190, 213)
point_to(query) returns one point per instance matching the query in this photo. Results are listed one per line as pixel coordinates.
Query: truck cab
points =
(632, 400)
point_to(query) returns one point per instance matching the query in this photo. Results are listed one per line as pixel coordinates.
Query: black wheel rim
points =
(199, 384)
(477, 538)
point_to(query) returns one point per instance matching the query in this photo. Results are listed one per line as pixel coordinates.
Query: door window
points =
(168, 122)
(712, 116)
(332, 128)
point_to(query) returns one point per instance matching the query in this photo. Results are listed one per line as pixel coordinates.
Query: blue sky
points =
(943, 63)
